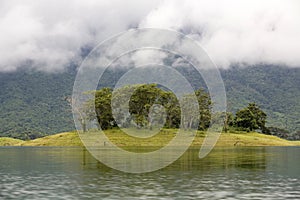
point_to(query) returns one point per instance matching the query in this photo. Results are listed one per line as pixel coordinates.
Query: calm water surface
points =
(227, 173)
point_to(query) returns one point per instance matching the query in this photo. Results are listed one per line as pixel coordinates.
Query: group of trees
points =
(249, 118)
(147, 105)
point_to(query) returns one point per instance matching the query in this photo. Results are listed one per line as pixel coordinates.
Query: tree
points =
(227, 117)
(228, 121)
(189, 106)
(120, 103)
(251, 117)
(103, 108)
(80, 111)
(205, 106)
(171, 104)
(142, 99)
(147, 105)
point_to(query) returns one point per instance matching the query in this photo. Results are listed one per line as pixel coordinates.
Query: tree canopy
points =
(251, 117)
(147, 106)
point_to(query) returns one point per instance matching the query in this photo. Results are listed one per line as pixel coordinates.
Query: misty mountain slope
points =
(32, 103)
(275, 89)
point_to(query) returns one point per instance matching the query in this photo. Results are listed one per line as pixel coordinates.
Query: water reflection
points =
(227, 173)
(220, 158)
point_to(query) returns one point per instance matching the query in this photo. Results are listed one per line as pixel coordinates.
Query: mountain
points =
(33, 103)
(275, 89)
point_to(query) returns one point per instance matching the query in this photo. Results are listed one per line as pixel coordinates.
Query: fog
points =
(48, 35)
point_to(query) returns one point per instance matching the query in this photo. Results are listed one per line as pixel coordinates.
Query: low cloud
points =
(48, 35)
(232, 31)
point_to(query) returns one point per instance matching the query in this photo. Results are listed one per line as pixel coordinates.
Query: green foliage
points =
(251, 117)
(144, 106)
(103, 108)
(142, 99)
(282, 133)
(33, 103)
(205, 106)
(276, 89)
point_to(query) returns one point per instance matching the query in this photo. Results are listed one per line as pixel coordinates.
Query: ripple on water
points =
(66, 176)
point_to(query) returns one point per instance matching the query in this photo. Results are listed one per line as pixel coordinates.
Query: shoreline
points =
(161, 139)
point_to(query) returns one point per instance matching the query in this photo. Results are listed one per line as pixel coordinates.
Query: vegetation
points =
(251, 117)
(145, 100)
(33, 103)
(5, 141)
(145, 104)
(61, 139)
(237, 138)
(276, 89)
(282, 133)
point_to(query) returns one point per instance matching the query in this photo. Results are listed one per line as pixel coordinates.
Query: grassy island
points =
(162, 138)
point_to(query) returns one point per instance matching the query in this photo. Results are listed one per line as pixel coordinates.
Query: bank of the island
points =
(161, 139)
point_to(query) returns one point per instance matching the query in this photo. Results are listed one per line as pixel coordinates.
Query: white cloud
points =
(50, 33)
(234, 31)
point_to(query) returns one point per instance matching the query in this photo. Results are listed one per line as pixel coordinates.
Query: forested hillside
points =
(33, 103)
(275, 89)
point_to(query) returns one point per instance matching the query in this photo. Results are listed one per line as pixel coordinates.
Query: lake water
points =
(227, 173)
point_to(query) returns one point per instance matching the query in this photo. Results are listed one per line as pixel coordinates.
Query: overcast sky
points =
(51, 33)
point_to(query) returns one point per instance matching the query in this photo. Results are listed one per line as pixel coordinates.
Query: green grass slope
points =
(6, 141)
(60, 139)
(161, 139)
